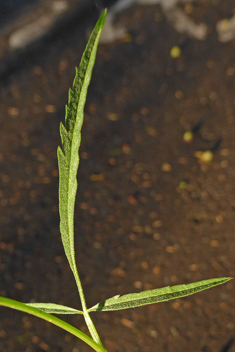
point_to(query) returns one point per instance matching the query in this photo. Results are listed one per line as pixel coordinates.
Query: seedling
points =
(68, 160)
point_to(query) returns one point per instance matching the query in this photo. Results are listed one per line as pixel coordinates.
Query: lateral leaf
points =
(132, 300)
(53, 308)
(10, 303)
(68, 158)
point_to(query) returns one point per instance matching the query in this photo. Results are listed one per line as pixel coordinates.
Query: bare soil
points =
(149, 212)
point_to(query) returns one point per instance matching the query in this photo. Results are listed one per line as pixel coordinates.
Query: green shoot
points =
(68, 160)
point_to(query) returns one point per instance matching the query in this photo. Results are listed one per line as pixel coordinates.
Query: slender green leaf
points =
(154, 296)
(10, 303)
(53, 308)
(68, 158)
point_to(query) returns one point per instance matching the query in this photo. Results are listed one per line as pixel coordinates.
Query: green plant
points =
(68, 165)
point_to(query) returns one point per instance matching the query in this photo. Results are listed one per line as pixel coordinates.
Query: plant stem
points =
(10, 303)
(87, 317)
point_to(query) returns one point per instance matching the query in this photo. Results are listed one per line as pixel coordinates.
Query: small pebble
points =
(204, 157)
(219, 219)
(112, 116)
(170, 249)
(214, 243)
(175, 52)
(193, 267)
(50, 108)
(118, 272)
(156, 236)
(157, 223)
(144, 265)
(183, 185)
(166, 167)
(126, 148)
(97, 177)
(44, 346)
(128, 323)
(138, 284)
(19, 286)
(151, 131)
(188, 136)
(156, 270)
(13, 111)
(176, 305)
(179, 94)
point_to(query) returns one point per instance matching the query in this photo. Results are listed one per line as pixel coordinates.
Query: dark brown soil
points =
(137, 225)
